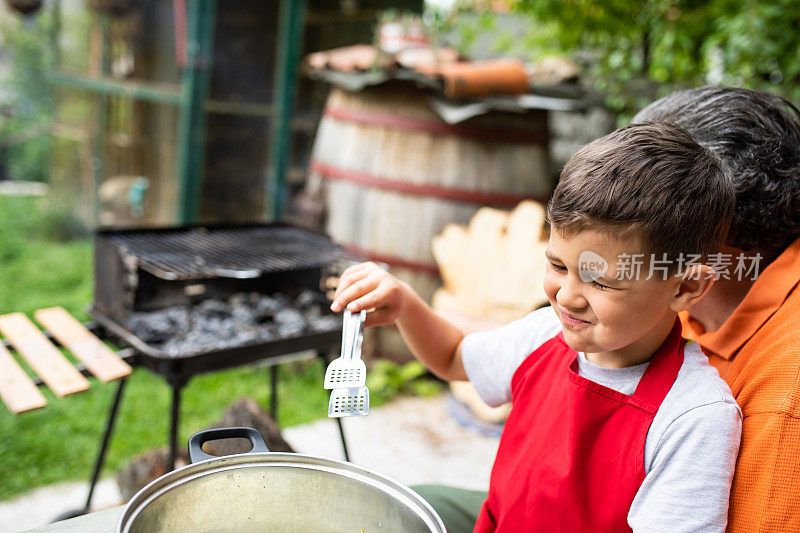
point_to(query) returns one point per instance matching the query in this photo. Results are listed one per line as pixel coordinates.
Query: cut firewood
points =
(493, 272)
(247, 413)
(465, 392)
(494, 268)
(152, 464)
(146, 467)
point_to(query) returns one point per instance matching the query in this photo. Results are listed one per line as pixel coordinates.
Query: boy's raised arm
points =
(432, 339)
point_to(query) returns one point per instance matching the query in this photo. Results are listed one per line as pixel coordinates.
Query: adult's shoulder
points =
(781, 329)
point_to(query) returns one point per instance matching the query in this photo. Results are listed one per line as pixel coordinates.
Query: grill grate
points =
(231, 252)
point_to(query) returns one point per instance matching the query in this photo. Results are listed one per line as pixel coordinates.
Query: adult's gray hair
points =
(757, 135)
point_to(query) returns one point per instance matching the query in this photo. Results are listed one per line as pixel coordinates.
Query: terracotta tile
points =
(470, 80)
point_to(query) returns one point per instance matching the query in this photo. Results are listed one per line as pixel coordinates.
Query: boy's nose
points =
(570, 297)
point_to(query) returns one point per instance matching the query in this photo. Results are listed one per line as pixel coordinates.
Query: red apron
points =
(571, 457)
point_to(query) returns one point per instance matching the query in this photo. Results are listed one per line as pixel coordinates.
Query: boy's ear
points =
(692, 285)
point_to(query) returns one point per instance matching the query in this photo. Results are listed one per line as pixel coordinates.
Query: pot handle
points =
(197, 440)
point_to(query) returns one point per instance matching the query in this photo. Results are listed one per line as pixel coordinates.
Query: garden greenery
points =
(637, 51)
(25, 98)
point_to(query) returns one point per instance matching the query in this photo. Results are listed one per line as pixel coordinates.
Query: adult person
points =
(750, 328)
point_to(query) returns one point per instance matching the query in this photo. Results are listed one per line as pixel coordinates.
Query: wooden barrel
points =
(392, 174)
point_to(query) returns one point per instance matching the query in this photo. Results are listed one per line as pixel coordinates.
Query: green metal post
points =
(55, 58)
(291, 20)
(54, 34)
(195, 80)
(98, 161)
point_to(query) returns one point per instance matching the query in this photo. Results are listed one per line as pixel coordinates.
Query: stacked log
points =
(493, 273)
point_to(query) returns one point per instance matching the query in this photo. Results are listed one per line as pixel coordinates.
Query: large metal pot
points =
(280, 492)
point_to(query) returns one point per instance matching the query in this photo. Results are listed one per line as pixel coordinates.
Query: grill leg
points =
(174, 421)
(344, 442)
(112, 416)
(101, 455)
(325, 361)
(273, 400)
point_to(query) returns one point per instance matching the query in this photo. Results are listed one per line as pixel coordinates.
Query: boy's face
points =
(604, 307)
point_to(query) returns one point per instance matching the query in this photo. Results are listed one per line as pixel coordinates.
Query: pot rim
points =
(197, 470)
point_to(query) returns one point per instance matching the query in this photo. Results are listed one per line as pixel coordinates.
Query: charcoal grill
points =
(146, 270)
(143, 270)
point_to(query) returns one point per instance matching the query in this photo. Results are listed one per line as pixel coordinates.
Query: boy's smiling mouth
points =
(572, 320)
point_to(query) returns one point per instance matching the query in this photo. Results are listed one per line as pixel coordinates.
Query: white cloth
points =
(691, 446)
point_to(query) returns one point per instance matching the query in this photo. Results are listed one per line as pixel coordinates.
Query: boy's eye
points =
(600, 286)
(560, 268)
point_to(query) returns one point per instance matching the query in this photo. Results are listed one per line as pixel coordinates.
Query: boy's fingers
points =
(356, 290)
(345, 281)
(350, 276)
(357, 268)
(375, 298)
(339, 288)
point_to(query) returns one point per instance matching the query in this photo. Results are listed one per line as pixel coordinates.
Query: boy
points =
(617, 424)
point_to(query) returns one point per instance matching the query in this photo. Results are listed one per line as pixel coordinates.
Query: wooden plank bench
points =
(19, 391)
(98, 358)
(16, 389)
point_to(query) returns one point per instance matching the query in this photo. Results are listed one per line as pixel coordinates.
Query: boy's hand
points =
(368, 286)
(432, 339)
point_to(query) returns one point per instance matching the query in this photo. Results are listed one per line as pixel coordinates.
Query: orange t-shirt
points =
(757, 351)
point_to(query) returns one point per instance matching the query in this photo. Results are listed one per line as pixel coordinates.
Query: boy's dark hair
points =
(757, 136)
(652, 179)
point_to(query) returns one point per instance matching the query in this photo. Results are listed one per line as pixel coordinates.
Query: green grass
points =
(44, 274)
(60, 441)
(35, 270)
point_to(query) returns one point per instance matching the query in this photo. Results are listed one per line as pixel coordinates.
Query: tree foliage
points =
(26, 98)
(640, 50)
